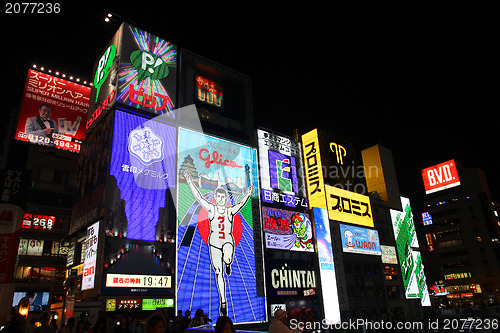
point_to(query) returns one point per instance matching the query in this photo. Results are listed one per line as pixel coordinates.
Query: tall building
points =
(38, 176)
(462, 236)
(168, 137)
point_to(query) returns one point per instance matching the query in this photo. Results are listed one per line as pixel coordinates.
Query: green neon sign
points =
(104, 68)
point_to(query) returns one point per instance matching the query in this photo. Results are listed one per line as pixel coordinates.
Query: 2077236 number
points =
(32, 8)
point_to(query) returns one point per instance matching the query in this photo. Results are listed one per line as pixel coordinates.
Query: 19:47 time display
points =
(138, 281)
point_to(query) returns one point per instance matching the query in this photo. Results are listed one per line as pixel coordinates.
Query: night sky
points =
(420, 79)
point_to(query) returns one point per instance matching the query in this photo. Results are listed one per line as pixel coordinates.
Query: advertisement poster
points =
(287, 230)
(89, 264)
(147, 75)
(423, 291)
(389, 254)
(215, 241)
(360, 240)
(281, 170)
(406, 238)
(313, 170)
(53, 112)
(402, 222)
(143, 164)
(440, 177)
(349, 207)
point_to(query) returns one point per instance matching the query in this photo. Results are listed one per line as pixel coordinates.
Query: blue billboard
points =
(360, 240)
(217, 180)
(143, 165)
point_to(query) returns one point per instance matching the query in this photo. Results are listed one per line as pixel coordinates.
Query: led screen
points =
(440, 177)
(38, 222)
(147, 74)
(38, 301)
(53, 112)
(281, 170)
(143, 164)
(359, 240)
(326, 266)
(287, 230)
(215, 242)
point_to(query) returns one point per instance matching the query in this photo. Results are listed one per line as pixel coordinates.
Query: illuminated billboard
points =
(426, 218)
(208, 91)
(281, 170)
(350, 207)
(53, 112)
(291, 278)
(143, 164)
(217, 179)
(138, 281)
(359, 240)
(388, 254)
(328, 278)
(90, 263)
(313, 171)
(440, 177)
(103, 93)
(411, 263)
(147, 74)
(287, 230)
(421, 281)
(137, 70)
(402, 222)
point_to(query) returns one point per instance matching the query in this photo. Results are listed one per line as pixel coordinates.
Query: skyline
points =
(387, 74)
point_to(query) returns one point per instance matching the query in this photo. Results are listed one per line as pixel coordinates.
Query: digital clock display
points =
(138, 281)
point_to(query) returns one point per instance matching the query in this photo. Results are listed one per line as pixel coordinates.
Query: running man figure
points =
(220, 239)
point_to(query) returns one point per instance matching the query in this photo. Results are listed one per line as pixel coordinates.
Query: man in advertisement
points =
(220, 240)
(41, 127)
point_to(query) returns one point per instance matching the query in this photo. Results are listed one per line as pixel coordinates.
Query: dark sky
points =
(418, 78)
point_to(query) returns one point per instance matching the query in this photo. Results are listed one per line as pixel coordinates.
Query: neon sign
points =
(104, 68)
(147, 75)
(208, 91)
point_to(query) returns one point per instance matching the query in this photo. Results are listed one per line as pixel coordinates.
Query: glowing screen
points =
(143, 164)
(215, 244)
(147, 75)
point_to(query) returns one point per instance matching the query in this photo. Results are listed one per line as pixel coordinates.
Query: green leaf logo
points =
(148, 64)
